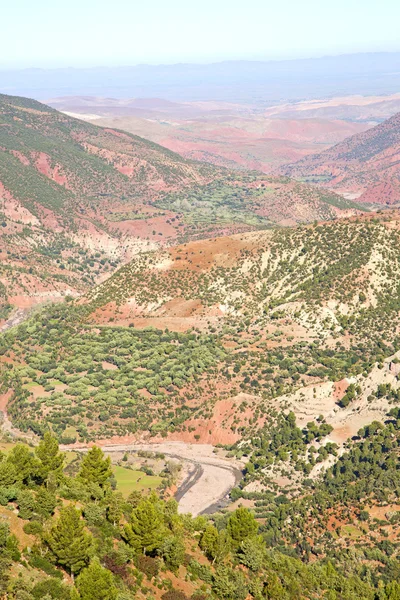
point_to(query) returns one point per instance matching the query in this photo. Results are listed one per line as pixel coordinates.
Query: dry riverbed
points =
(207, 476)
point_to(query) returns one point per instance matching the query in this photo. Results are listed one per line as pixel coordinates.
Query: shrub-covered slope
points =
(208, 340)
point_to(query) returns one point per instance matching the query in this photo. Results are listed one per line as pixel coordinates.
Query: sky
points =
(87, 33)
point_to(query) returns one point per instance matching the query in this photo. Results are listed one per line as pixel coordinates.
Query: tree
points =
(252, 552)
(94, 513)
(96, 583)
(26, 504)
(52, 460)
(95, 468)
(4, 533)
(114, 508)
(134, 498)
(392, 590)
(146, 530)
(273, 588)
(216, 544)
(229, 584)
(68, 540)
(173, 552)
(209, 541)
(45, 502)
(50, 588)
(4, 559)
(26, 465)
(8, 474)
(242, 525)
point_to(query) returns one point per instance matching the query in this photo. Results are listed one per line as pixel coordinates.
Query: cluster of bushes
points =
(281, 441)
(106, 381)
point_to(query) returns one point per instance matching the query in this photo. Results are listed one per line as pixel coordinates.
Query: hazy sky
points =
(47, 33)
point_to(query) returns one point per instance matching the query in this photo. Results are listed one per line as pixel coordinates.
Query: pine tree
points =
(8, 473)
(68, 540)
(52, 460)
(229, 584)
(146, 530)
(26, 504)
(173, 552)
(209, 541)
(26, 465)
(95, 468)
(96, 583)
(45, 503)
(114, 507)
(392, 590)
(252, 553)
(242, 525)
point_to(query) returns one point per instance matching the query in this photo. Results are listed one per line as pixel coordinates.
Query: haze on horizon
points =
(94, 33)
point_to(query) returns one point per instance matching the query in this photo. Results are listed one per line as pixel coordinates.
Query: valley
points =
(209, 341)
(199, 367)
(207, 479)
(363, 167)
(77, 201)
(236, 136)
(200, 300)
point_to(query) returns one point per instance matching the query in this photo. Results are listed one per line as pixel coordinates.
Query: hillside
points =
(110, 545)
(293, 309)
(365, 166)
(80, 158)
(58, 178)
(78, 200)
(282, 348)
(215, 336)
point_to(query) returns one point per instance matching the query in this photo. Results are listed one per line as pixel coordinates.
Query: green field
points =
(132, 481)
(350, 531)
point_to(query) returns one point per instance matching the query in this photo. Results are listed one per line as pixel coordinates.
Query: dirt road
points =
(208, 478)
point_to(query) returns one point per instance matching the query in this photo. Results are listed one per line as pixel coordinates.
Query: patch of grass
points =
(6, 446)
(70, 457)
(32, 385)
(134, 481)
(350, 531)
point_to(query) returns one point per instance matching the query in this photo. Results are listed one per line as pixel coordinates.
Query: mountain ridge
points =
(246, 81)
(367, 164)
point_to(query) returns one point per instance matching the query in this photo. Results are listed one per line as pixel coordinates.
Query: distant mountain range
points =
(259, 82)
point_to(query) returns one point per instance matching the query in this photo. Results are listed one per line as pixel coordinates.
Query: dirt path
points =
(208, 478)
